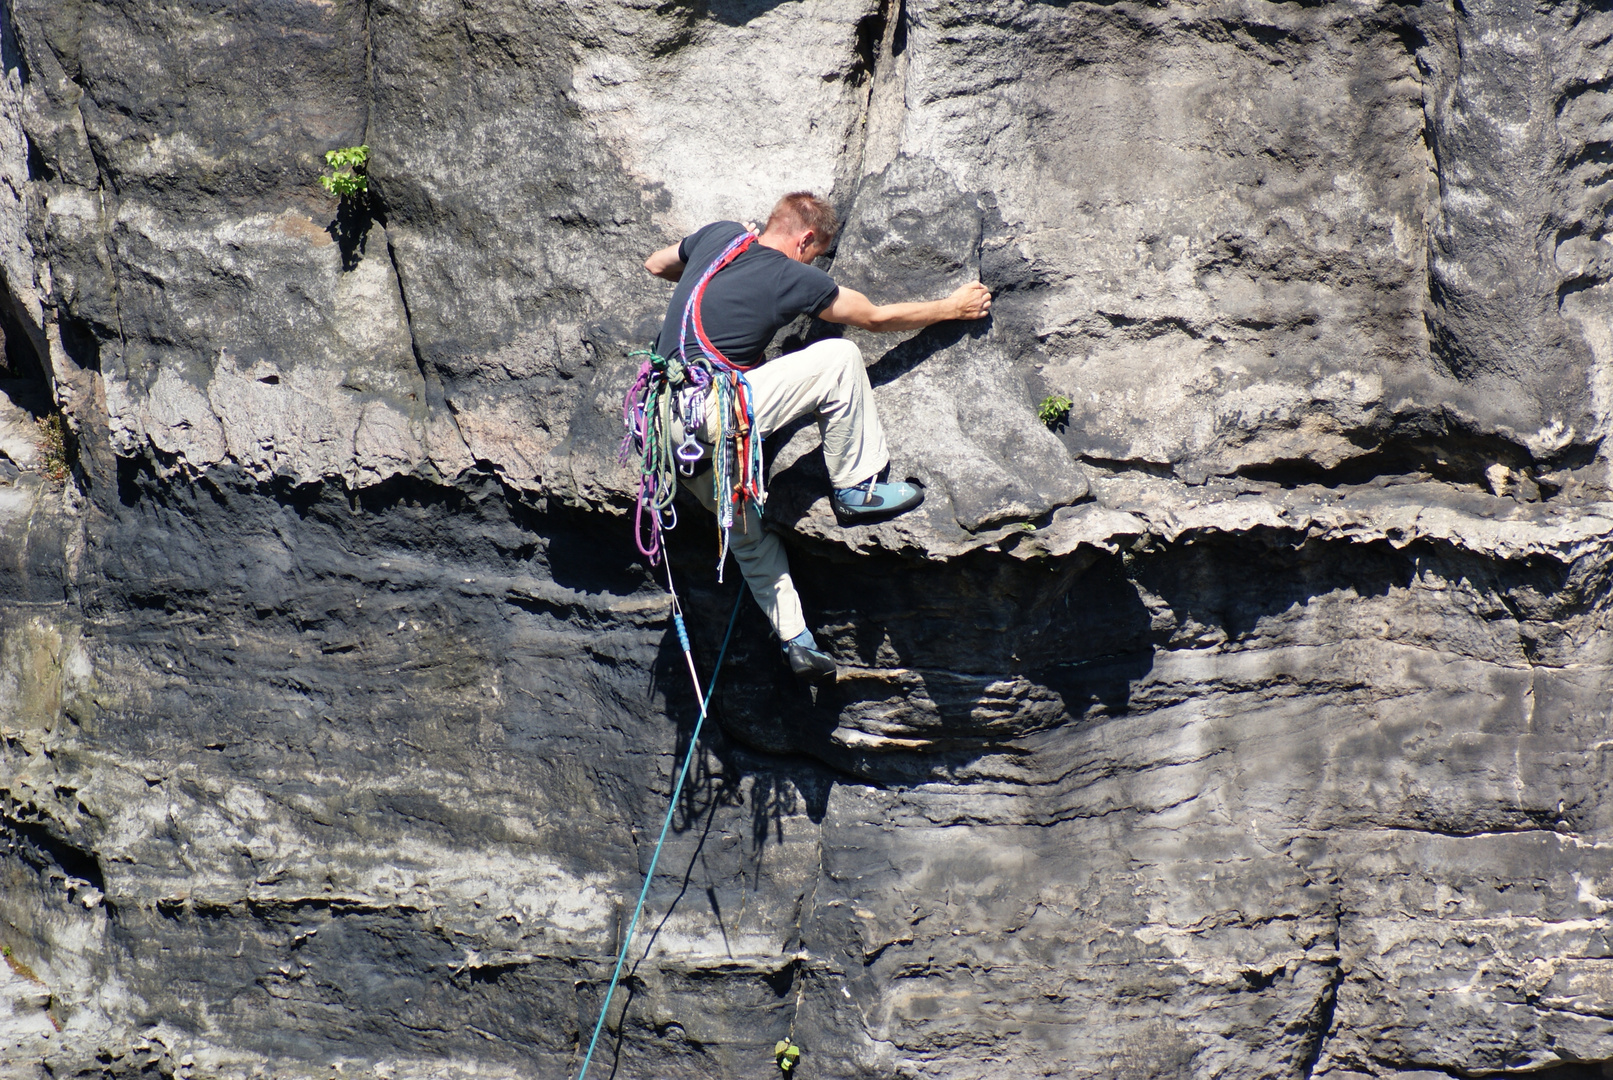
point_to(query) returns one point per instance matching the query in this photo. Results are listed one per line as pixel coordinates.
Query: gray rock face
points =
(1251, 724)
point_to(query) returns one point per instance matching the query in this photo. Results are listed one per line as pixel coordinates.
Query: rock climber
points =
(764, 288)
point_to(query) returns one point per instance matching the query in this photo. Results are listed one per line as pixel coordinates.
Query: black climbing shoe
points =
(806, 660)
(874, 501)
(810, 664)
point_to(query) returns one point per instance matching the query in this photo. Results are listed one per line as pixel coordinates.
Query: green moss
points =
(53, 446)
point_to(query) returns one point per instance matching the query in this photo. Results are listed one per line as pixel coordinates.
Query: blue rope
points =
(672, 805)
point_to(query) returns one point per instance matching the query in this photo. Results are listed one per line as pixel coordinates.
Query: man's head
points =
(802, 226)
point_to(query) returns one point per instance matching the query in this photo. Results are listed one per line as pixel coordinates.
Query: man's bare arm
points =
(852, 308)
(665, 263)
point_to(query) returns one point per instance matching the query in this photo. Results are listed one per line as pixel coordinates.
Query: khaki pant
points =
(826, 378)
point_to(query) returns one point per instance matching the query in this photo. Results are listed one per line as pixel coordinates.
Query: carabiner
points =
(689, 454)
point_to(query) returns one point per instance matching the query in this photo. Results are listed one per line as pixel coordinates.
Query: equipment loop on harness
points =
(678, 388)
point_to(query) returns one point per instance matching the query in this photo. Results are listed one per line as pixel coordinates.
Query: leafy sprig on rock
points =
(346, 177)
(1054, 411)
(786, 1053)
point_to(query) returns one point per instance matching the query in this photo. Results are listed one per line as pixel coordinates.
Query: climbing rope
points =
(672, 804)
(678, 387)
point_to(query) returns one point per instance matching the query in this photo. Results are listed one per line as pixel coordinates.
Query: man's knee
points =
(841, 352)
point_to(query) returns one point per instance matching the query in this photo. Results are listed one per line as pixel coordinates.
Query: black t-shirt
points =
(750, 299)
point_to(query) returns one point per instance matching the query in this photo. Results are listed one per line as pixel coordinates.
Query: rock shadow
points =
(727, 12)
(350, 228)
(941, 663)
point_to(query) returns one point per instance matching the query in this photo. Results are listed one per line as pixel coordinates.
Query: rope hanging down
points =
(679, 387)
(672, 803)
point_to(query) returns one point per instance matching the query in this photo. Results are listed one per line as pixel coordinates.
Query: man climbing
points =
(737, 311)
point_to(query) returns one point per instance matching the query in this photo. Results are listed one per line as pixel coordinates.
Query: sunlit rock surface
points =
(1253, 722)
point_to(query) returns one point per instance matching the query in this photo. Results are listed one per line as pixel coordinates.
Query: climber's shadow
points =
(942, 641)
(731, 813)
(744, 762)
(900, 358)
(760, 717)
(909, 354)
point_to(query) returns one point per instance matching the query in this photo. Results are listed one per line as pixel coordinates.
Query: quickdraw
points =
(680, 386)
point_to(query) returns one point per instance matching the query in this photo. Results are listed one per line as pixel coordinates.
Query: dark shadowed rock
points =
(1250, 724)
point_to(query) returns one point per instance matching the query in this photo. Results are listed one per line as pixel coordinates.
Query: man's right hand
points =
(972, 301)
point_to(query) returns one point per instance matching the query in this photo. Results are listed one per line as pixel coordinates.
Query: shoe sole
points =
(857, 516)
(816, 678)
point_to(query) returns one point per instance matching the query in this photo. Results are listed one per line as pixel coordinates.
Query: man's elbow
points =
(664, 264)
(875, 320)
(881, 322)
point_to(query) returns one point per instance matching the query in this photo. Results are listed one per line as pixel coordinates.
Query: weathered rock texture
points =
(1253, 724)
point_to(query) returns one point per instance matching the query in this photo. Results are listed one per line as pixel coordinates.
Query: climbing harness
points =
(672, 803)
(678, 387)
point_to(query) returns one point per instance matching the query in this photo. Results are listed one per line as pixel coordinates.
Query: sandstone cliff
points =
(1252, 724)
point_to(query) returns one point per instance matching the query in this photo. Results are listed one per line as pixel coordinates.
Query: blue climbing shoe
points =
(873, 500)
(807, 661)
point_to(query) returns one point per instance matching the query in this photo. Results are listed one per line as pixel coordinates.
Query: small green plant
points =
(786, 1053)
(53, 446)
(1054, 411)
(346, 177)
